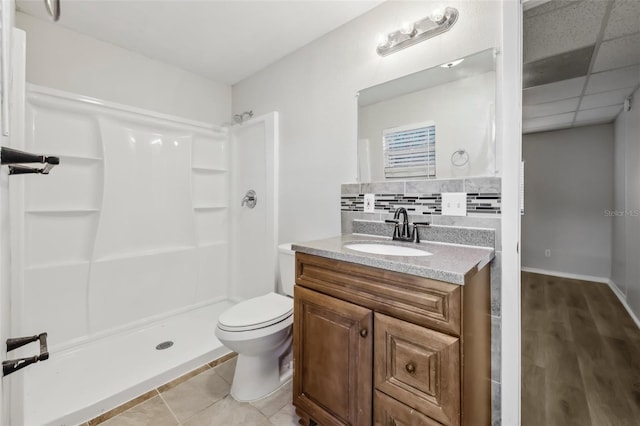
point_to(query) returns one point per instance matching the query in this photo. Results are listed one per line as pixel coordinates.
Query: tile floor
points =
(204, 400)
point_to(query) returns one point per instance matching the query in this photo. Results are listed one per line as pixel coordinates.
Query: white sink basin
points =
(387, 249)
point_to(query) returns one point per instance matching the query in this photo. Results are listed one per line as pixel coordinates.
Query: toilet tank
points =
(287, 262)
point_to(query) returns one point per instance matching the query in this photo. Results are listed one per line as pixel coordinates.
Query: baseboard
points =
(623, 300)
(602, 280)
(567, 275)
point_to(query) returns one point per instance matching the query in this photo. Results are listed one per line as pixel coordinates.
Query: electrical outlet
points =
(369, 203)
(547, 253)
(454, 203)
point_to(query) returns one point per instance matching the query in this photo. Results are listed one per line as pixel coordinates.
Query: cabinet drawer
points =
(389, 412)
(434, 304)
(419, 367)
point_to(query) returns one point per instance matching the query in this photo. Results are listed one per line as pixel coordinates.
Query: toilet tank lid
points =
(257, 312)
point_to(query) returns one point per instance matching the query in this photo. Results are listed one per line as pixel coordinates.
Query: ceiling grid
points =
(613, 74)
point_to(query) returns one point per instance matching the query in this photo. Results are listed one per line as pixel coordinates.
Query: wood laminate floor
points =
(580, 355)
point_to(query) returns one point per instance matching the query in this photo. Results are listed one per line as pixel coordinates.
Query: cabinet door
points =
(419, 367)
(333, 345)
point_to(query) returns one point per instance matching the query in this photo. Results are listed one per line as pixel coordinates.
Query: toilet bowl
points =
(259, 330)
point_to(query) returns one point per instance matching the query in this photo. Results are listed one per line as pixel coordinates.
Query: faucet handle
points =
(416, 234)
(396, 228)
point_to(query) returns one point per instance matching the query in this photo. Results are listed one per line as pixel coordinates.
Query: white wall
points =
(62, 59)
(626, 237)
(470, 127)
(314, 89)
(568, 189)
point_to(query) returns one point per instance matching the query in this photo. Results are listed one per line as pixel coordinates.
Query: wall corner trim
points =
(623, 300)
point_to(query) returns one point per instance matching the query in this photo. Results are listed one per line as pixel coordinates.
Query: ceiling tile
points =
(553, 92)
(563, 30)
(615, 97)
(547, 7)
(604, 113)
(624, 19)
(550, 108)
(546, 123)
(548, 128)
(563, 66)
(615, 79)
(621, 52)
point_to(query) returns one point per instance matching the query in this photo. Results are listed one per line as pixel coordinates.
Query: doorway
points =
(580, 335)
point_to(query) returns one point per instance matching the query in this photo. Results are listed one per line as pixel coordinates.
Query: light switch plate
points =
(369, 203)
(454, 203)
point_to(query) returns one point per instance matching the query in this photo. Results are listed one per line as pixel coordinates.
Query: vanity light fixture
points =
(438, 22)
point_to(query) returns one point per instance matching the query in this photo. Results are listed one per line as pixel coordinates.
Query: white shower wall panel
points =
(212, 272)
(147, 203)
(138, 286)
(56, 300)
(79, 177)
(130, 227)
(58, 238)
(63, 126)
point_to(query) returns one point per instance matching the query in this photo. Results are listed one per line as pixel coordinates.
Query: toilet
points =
(259, 330)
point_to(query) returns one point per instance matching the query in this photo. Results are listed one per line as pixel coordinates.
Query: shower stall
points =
(127, 252)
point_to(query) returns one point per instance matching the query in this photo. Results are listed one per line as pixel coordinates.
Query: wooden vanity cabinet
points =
(373, 346)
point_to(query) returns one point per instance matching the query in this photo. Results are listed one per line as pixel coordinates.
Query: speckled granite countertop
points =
(449, 262)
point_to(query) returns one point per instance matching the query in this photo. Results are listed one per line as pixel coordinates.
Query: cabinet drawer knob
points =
(410, 367)
(364, 332)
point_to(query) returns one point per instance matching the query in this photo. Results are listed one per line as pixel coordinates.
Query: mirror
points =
(437, 123)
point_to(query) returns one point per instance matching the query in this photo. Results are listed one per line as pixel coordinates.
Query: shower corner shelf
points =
(57, 264)
(35, 211)
(210, 207)
(214, 243)
(205, 169)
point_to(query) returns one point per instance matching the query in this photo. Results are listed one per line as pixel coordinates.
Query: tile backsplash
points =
(424, 197)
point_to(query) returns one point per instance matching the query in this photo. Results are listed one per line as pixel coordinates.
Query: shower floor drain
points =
(164, 345)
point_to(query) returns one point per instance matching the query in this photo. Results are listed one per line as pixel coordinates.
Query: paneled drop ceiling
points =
(581, 61)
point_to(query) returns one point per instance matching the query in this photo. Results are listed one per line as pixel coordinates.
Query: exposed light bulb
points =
(383, 40)
(408, 28)
(437, 15)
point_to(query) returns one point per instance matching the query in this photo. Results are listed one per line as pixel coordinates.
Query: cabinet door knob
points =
(410, 367)
(364, 332)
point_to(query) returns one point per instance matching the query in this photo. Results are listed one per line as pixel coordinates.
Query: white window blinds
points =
(410, 151)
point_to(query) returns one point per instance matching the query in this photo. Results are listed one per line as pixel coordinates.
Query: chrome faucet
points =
(403, 234)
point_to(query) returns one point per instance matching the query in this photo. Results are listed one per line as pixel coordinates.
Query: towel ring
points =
(460, 157)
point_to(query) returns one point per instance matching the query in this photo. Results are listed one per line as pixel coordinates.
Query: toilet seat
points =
(258, 312)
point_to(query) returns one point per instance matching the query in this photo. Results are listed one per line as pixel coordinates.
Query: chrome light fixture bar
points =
(436, 23)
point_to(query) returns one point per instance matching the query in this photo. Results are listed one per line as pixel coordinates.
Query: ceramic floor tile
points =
(226, 369)
(229, 412)
(285, 417)
(196, 394)
(153, 412)
(274, 402)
